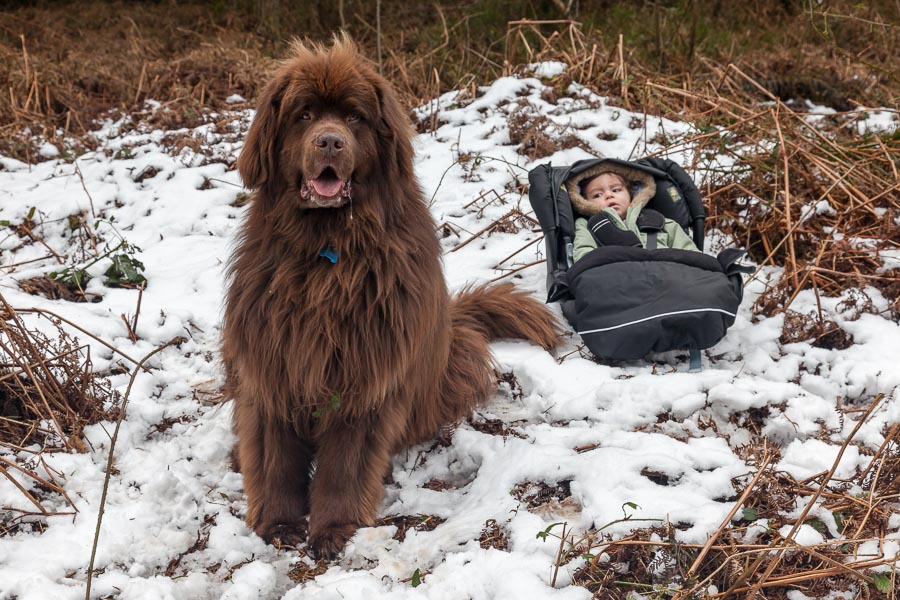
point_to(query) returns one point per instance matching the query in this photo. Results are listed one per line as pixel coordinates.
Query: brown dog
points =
(341, 344)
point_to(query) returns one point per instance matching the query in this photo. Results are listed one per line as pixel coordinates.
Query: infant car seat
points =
(626, 302)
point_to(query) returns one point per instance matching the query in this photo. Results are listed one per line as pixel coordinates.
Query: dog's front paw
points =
(283, 535)
(328, 544)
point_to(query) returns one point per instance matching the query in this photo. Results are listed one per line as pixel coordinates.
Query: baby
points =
(609, 211)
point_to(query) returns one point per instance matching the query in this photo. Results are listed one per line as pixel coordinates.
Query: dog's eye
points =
(352, 118)
(305, 115)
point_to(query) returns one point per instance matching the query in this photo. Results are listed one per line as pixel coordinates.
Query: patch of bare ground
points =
(55, 289)
(306, 569)
(551, 500)
(537, 135)
(494, 427)
(493, 536)
(405, 523)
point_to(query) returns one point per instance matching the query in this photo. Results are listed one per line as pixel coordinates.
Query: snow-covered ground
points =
(174, 501)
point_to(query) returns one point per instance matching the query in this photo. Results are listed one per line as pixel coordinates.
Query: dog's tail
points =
(477, 316)
(503, 311)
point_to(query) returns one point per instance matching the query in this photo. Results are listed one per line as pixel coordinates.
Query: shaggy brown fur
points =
(341, 364)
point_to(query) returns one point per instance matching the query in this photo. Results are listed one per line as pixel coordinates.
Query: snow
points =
(548, 69)
(861, 119)
(877, 121)
(599, 427)
(48, 150)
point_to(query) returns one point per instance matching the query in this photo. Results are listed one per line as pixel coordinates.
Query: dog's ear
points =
(256, 162)
(395, 126)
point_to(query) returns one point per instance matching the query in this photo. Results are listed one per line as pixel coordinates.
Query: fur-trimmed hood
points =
(640, 184)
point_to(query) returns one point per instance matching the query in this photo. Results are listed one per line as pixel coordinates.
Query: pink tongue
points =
(326, 187)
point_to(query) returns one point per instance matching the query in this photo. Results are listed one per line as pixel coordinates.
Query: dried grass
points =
(537, 135)
(48, 394)
(63, 68)
(742, 558)
(55, 289)
(48, 386)
(493, 536)
(816, 198)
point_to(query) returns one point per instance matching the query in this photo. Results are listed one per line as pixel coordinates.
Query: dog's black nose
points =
(330, 143)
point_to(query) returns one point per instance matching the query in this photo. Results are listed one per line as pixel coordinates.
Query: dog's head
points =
(324, 122)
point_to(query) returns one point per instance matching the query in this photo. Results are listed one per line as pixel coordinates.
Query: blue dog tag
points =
(330, 253)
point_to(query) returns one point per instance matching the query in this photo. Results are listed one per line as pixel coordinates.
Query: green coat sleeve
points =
(584, 241)
(677, 238)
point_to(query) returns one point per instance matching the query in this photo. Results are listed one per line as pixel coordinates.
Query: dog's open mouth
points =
(326, 190)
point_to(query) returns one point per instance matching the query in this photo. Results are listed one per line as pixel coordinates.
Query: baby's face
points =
(608, 190)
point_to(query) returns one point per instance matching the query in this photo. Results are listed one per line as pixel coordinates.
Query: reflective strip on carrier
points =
(668, 314)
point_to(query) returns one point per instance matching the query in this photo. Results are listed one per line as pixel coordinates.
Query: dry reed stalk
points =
(525, 247)
(890, 438)
(52, 315)
(517, 270)
(621, 72)
(813, 575)
(27, 229)
(22, 489)
(23, 350)
(852, 177)
(779, 551)
(792, 255)
(111, 456)
(516, 32)
(766, 460)
(745, 549)
(46, 379)
(559, 555)
(506, 221)
(807, 274)
(33, 475)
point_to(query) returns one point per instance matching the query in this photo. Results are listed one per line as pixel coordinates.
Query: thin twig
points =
(727, 520)
(110, 458)
(779, 553)
(44, 312)
(792, 254)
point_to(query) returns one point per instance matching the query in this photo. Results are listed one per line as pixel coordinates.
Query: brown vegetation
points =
(48, 395)
(750, 553)
(63, 65)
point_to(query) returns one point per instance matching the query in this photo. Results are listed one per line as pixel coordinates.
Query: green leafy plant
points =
(839, 520)
(818, 525)
(882, 583)
(124, 153)
(542, 535)
(72, 277)
(125, 270)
